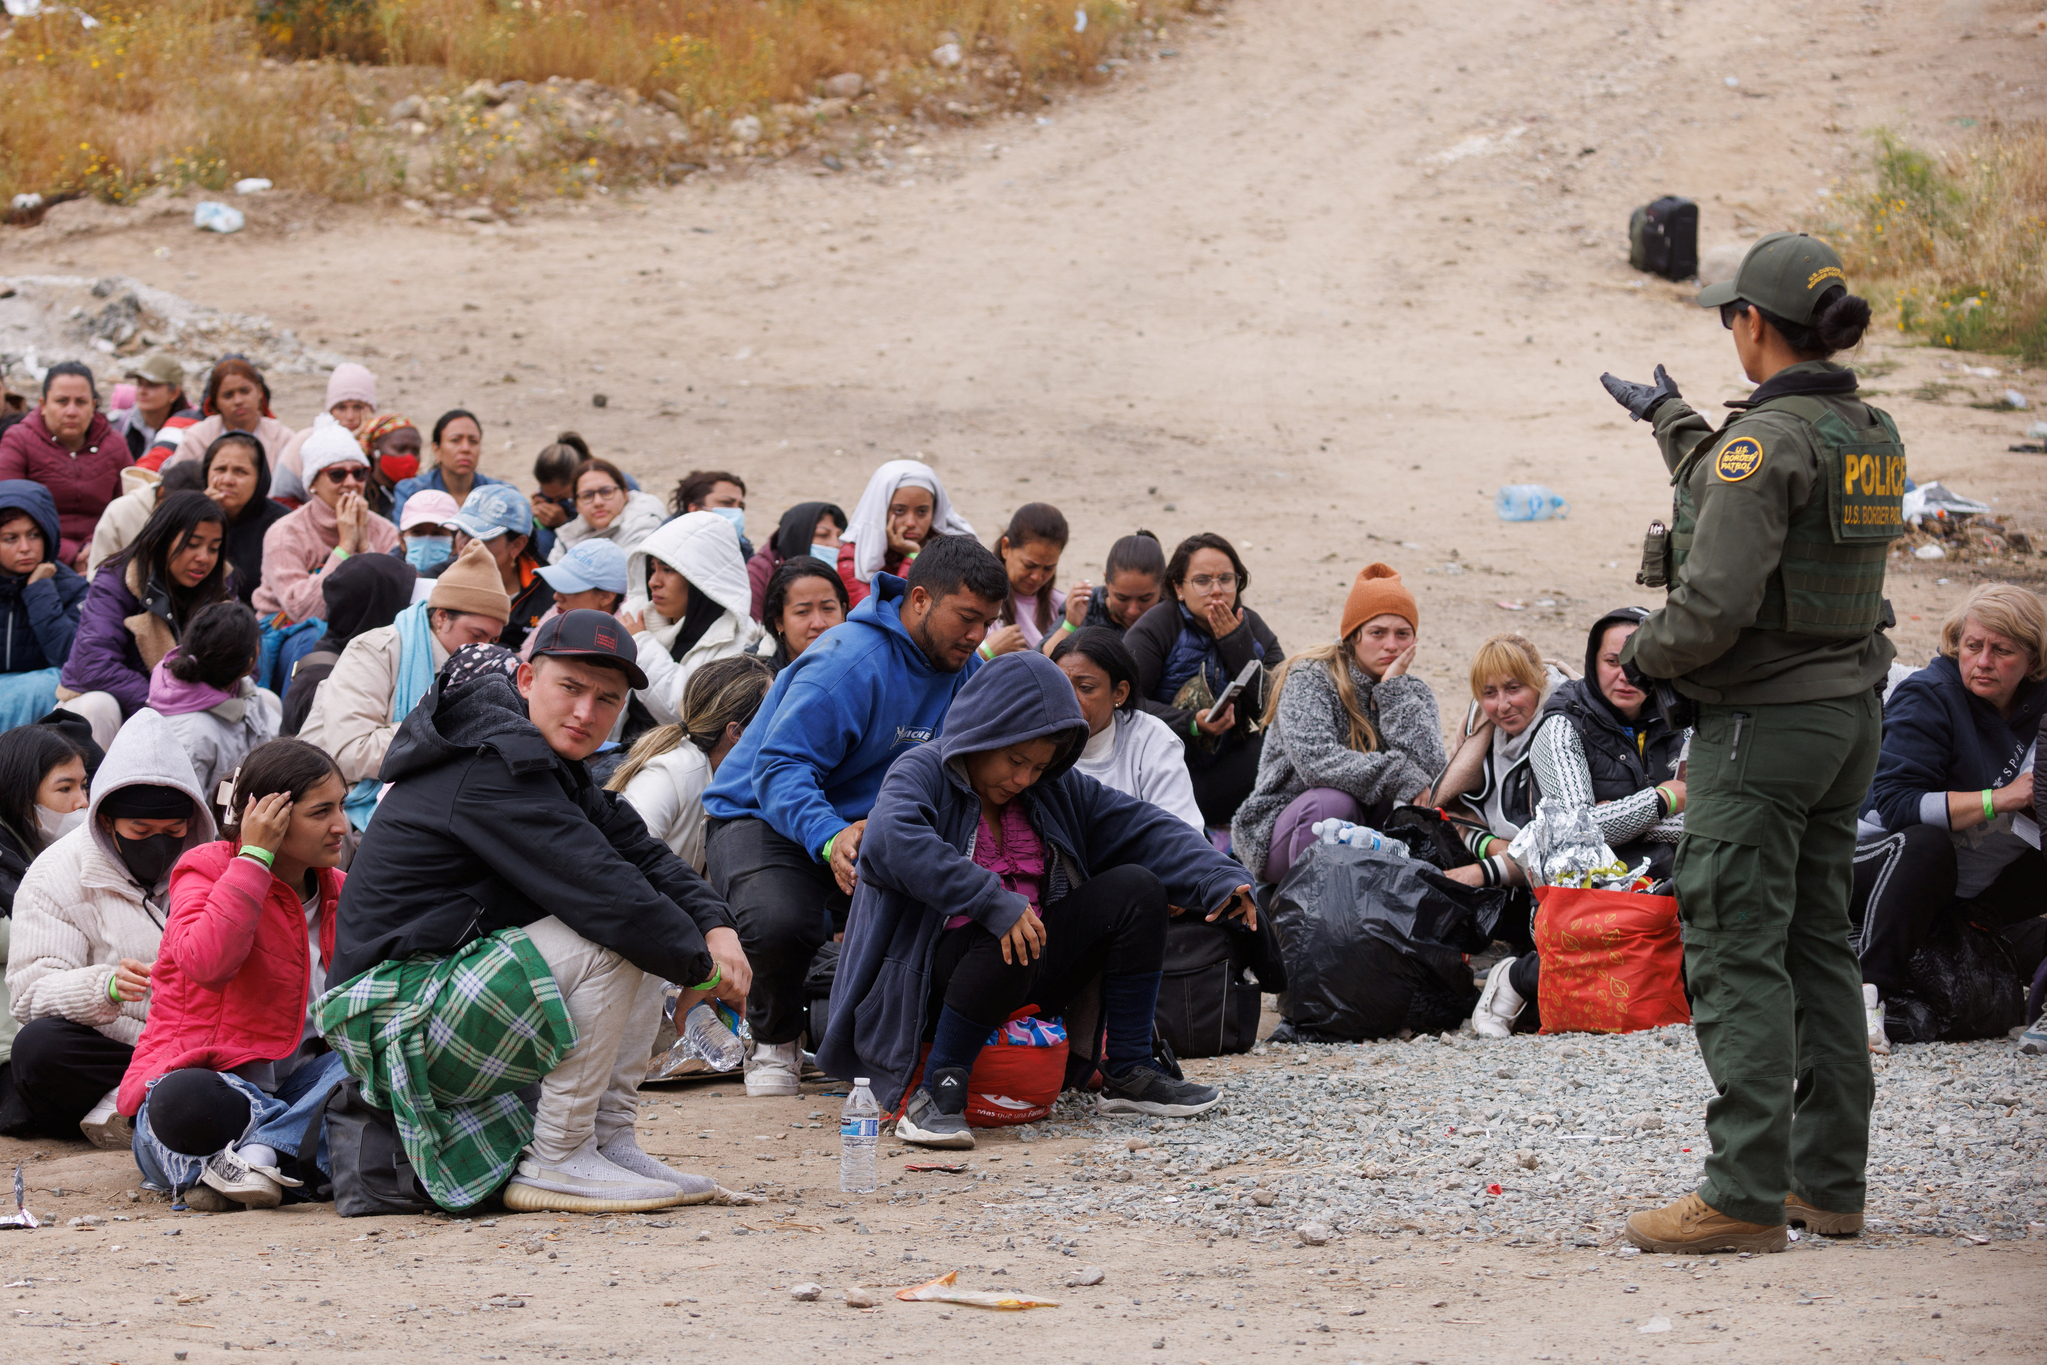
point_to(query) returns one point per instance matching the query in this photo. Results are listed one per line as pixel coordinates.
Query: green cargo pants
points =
(1763, 878)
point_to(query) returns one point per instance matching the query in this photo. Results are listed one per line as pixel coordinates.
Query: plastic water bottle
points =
(859, 1136)
(1529, 502)
(715, 1039)
(215, 216)
(1357, 836)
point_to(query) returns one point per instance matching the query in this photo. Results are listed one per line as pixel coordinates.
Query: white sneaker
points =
(106, 1127)
(585, 1183)
(623, 1151)
(1873, 1019)
(1498, 1004)
(2033, 1042)
(772, 1069)
(259, 1187)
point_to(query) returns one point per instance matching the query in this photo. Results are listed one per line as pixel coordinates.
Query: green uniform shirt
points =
(1747, 482)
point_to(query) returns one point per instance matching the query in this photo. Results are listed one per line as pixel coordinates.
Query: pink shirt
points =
(1018, 857)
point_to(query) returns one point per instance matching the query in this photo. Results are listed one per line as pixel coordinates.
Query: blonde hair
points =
(722, 692)
(1508, 656)
(2010, 611)
(1336, 657)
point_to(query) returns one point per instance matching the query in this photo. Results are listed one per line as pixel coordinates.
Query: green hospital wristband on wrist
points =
(261, 855)
(114, 989)
(1067, 627)
(1989, 810)
(828, 847)
(717, 975)
(339, 551)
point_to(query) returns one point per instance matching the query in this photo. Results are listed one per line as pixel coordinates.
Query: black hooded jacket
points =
(1623, 758)
(243, 541)
(486, 828)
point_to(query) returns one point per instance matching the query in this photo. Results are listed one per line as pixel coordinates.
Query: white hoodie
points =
(79, 912)
(704, 548)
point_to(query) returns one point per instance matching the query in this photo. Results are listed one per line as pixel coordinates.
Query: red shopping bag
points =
(1612, 961)
(1017, 1077)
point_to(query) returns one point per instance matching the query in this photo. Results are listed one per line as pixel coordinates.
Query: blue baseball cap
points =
(493, 510)
(594, 563)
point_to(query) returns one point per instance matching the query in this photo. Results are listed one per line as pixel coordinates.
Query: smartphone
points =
(1237, 684)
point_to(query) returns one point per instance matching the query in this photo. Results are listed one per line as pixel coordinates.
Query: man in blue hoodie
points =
(789, 804)
(40, 598)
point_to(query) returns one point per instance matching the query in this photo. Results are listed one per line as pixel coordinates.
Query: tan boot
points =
(1800, 1213)
(1692, 1225)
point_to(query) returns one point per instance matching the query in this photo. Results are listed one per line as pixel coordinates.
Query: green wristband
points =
(341, 552)
(717, 975)
(1989, 809)
(828, 847)
(1067, 627)
(261, 855)
(114, 989)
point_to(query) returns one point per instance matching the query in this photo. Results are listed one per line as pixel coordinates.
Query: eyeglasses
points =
(1205, 581)
(1730, 311)
(353, 473)
(589, 495)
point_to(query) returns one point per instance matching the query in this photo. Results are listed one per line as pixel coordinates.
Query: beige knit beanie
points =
(472, 584)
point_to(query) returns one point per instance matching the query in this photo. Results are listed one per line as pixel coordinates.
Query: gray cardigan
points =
(1307, 746)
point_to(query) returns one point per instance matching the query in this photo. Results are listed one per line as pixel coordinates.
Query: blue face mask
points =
(426, 553)
(828, 553)
(735, 515)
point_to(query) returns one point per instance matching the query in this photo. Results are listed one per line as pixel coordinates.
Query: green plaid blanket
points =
(443, 1042)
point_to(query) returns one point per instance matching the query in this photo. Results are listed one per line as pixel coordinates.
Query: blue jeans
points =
(26, 698)
(277, 1121)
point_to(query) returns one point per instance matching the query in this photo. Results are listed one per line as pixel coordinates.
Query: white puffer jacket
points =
(79, 912)
(704, 548)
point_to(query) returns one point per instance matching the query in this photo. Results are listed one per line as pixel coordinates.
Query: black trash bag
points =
(1375, 943)
(1964, 984)
(1429, 836)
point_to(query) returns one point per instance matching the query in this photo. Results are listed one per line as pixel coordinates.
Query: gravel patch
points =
(1532, 1141)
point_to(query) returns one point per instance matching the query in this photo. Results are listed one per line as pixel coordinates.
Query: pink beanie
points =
(351, 381)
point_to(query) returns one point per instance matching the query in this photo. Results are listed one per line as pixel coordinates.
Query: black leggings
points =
(1905, 891)
(61, 1069)
(1222, 781)
(1114, 924)
(787, 905)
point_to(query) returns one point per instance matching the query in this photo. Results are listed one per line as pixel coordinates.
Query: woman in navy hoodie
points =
(40, 598)
(1948, 784)
(993, 876)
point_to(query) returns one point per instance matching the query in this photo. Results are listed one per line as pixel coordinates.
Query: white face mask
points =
(55, 826)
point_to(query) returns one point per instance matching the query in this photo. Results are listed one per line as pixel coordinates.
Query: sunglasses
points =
(353, 473)
(1730, 311)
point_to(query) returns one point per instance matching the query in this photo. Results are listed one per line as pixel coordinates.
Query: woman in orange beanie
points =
(1349, 733)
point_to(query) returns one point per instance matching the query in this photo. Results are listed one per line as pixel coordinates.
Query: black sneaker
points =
(936, 1114)
(1141, 1090)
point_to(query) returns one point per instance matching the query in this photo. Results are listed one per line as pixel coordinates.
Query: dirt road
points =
(1323, 281)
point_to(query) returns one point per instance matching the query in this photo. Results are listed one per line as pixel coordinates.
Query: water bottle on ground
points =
(859, 1136)
(713, 1031)
(1529, 502)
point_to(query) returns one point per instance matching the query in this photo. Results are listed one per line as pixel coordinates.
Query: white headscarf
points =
(868, 527)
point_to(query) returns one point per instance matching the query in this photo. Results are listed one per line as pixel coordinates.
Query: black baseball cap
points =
(594, 635)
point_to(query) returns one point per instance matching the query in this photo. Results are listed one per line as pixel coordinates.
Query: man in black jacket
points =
(491, 822)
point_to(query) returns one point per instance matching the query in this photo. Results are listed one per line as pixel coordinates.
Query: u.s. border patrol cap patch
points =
(1738, 459)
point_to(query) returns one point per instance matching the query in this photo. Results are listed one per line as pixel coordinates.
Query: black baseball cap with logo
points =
(1784, 274)
(594, 636)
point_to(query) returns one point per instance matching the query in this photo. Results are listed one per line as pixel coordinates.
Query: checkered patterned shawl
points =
(443, 1042)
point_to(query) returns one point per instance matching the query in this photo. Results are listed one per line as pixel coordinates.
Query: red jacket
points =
(83, 484)
(230, 980)
(856, 591)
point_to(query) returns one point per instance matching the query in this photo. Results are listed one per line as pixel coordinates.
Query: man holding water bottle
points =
(1773, 634)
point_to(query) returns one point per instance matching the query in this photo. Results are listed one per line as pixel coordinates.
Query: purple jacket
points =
(173, 696)
(105, 656)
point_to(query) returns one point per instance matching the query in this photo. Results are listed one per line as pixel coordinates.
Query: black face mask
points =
(149, 860)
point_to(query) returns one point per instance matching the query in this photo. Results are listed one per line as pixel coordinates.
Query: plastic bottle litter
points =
(214, 216)
(2014, 399)
(1357, 836)
(25, 202)
(859, 1137)
(1529, 502)
(255, 184)
(712, 1030)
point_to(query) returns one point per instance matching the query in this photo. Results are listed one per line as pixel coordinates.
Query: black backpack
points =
(1206, 1006)
(1663, 238)
(372, 1174)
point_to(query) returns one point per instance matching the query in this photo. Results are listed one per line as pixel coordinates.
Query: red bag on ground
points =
(1612, 961)
(1017, 1077)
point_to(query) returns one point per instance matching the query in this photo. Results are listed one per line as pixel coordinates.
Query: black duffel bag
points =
(1375, 942)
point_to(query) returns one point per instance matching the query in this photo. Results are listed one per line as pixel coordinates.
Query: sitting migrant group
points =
(327, 778)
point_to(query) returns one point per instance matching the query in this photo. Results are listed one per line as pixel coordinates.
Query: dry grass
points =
(1956, 241)
(204, 92)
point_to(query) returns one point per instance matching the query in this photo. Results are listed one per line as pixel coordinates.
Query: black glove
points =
(1637, 679)
(1641, 400)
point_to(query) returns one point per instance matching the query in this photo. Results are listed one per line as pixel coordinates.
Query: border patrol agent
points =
(1773, 631)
